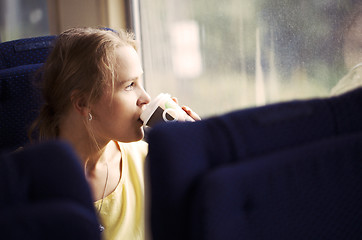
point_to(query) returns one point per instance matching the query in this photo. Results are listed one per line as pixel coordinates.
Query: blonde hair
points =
(82, 62)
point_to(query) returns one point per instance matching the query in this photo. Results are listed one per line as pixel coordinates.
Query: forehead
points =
(128, 63)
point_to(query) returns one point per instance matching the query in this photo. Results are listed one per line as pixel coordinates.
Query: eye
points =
(130, 86)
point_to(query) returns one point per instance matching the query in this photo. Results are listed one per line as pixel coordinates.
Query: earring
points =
(90, 117)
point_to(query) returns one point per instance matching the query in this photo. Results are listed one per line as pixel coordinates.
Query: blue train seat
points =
(307, 192)
(20, 99)
(44, 195)
(181, 155)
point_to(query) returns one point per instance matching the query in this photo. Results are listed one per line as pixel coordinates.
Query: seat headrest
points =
(25, 51)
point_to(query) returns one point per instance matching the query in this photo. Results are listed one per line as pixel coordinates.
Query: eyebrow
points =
(135, 78)
(131, 78)
(128, 80)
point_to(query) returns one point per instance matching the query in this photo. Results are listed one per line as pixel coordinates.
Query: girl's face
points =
(117, 116)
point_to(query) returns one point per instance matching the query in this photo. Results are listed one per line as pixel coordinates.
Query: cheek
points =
(122, 109)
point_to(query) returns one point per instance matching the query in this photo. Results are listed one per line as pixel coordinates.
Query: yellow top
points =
(122, 213)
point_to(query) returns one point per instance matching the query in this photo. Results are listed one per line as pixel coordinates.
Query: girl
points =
(94, 97)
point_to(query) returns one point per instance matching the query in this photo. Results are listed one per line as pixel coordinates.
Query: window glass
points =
(222, 55)
(23, 18)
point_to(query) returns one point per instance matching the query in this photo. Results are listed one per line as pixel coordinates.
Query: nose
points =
(144, 98)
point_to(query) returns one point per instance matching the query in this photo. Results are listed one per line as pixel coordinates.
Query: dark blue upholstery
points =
(310, 192)
(180, 154)
(43, 192)
(25, 51)
(20, 101)
(44, 195)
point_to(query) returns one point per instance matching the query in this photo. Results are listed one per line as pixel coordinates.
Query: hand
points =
(188, 110)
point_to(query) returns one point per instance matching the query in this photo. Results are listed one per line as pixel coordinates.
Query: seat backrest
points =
(308, 192)
(25, 51)
(181, 153)
(45, 195)
(20, 101)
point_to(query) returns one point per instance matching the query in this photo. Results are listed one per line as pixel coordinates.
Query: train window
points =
(217, 56)
(23, 18)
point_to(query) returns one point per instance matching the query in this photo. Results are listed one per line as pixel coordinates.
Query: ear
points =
(79, 102)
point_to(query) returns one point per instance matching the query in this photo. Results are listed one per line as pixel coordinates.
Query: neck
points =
(90, 152)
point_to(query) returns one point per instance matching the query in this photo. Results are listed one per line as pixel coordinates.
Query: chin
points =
(135, 137)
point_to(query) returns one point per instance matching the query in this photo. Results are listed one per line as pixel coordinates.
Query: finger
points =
(174, 99)
(191, 113)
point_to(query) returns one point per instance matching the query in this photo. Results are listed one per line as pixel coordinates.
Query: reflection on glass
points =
(351, 50)
(352, 80)
(217, 56)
